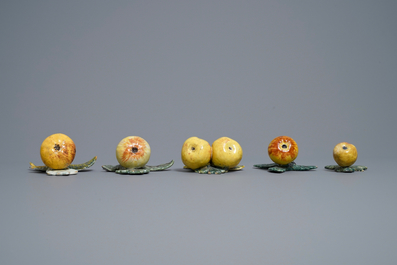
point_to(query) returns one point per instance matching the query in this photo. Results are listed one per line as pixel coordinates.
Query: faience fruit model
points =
(223, 156)
(345, 155)
(133, 153)
(57, 153)
(196, 153)
(283, 150)
(227, 153)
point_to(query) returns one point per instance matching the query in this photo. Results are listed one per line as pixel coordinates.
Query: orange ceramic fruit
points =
(227, 153)
(57, 151)
(133, 152)
(283, 150)
(196, 153)
(345, 154)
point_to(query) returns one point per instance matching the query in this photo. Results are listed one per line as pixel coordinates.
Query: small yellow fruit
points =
(57, 151)
(345, 154)
(227, 153)
(196, 153)
(283, 150)
(133, 152)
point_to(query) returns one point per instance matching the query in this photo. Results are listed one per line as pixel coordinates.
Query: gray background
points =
(321, 72)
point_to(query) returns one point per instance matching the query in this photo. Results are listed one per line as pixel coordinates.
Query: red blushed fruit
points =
(57, 151)
(283, 150)
(133, 152)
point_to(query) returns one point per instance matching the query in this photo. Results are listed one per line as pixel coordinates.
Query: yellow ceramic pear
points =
(226, 153)
(196, 153)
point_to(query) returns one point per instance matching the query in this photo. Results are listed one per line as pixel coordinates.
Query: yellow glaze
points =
(57, 151)
(345, 154)
(133, 152)
(283, 150)
(226, 153)
(196, 153)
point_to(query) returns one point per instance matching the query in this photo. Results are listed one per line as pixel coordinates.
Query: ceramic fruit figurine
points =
(196, 153)
(223, 156)
(57, 153)
(345, 155)
(132, 153)
(227, 153)
(283, 150)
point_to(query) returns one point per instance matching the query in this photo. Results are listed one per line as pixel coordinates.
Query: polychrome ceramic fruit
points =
(133, 152)
(57, 151)
(283, 150)
(226, 153)
(196, 153)
(345, 154)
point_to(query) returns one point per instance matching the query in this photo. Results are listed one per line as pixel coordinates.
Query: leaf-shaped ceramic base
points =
(274, 167)
(350, 169)
(211, 169)
(137, 171)
(85, 165)
(71, 170)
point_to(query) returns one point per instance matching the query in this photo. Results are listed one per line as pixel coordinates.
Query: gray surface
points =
(176, 217)
(320, 72)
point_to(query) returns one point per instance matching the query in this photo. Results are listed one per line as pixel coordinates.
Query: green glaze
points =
(84, 165)
(77, 167)
(211, 169)
(274, 167)
(38, 168)
(137, 171)
(349, 169)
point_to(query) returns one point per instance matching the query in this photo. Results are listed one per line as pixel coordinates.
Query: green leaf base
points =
(274, 167)
(350, 169)
(137, 171)
(70, 170)
(211, 169)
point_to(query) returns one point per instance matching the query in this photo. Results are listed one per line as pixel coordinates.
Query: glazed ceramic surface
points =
(210, 169)
(196, 153)
(283, 150)
(71, 170)
(137, 171)
(226, 153)
(274, 167)
(349, 169)
(57, 153)
(133, 153)
(345, 155)
(223, 156)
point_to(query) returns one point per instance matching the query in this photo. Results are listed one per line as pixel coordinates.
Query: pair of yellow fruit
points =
(224, 153)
